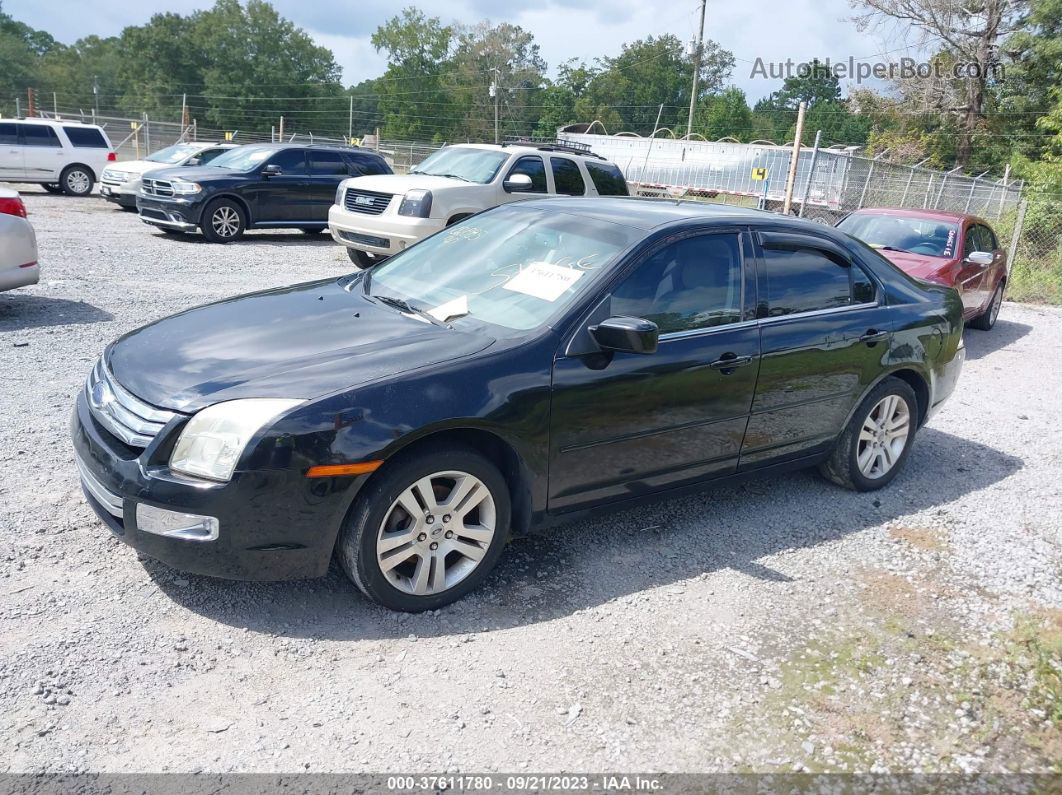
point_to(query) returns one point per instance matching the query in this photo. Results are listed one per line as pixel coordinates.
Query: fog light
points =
(174, 524)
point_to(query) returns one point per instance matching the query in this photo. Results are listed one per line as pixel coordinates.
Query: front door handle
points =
(728, 362)
(873, 336)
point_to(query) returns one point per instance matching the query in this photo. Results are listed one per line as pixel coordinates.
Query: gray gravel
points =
(677, 637)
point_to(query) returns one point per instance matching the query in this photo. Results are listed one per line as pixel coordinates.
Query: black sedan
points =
(522, 367)
(257, 186)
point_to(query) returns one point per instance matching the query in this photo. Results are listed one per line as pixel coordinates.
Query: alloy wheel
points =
(436, 532)
(883, 436)
(78, 182)
(225, 221)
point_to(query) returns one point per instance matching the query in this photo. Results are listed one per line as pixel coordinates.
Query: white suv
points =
(377, 216)
(121, 182)
(64, 156)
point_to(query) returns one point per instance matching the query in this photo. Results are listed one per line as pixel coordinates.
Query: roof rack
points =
(551, 145)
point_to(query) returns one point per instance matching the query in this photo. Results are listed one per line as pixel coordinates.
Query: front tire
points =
(76, 181)
(313, 230)
(427, 529)
(875, 444)
(987, 319)
(363, 259)
(54, 188)
(223, 221)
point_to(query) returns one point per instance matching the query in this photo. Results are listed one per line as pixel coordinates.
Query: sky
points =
(584, 29)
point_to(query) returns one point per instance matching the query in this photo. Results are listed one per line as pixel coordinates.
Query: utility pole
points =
(496, 93)
(696, 70)
(791, 180)
(55, 105)
(31, 107)
(95, 98)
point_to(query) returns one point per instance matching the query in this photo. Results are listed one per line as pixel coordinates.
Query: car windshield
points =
(926, 236)
(173, 154)
(471, 165)
(242, 158)
(515, 268)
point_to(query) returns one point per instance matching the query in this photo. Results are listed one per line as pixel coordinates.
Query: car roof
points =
(914, 212)
(61, 122)
(650, 213)
(530, 147)
(298, 145)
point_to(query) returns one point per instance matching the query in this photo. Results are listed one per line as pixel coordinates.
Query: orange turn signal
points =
(335, 470)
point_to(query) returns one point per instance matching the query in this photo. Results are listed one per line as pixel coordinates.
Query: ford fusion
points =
(525, 366)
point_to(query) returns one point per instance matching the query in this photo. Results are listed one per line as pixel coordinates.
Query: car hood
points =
(195, 173)
(920, 266)
(400, 183)
(302, 341)
(138, 166)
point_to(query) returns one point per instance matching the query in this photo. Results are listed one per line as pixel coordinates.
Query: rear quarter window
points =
(607, 178)
(368, 165)
(86, 138)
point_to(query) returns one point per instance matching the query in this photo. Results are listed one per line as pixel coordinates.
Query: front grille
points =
(128, 417)
(366, 201)
(108, 500)
(366, 240)
(156, 187)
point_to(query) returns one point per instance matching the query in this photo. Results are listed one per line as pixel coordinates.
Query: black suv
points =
(257, 186)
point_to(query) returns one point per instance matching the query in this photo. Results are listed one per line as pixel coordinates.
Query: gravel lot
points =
(779, 625)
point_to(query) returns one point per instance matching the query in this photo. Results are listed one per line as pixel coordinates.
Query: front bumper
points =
(379, 234)
(274, 524)
(121, 193)
(170, 213)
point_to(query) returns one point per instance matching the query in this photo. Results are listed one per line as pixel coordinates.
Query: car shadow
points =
(588, 563)
(981, 343)
(23, 311)
(295, 238)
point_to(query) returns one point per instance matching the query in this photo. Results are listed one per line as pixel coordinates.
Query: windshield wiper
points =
(404, 306)
(451, 176)
(894, 248)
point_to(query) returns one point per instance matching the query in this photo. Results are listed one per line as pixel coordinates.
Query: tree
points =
(725, 115)
(558, 99)
(21, 49)
(971, 32)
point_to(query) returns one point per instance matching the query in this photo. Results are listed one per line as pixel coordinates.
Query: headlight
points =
(120, 176)
(417, 203)
(213, 440)
(339, 194)
(183, 187)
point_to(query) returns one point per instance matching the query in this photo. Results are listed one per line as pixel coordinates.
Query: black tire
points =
(313, 230)
(356, 545)
(842, 466)
(76, 180)
(54, 188)
(363, 259)
(987, 319)
(223, 221)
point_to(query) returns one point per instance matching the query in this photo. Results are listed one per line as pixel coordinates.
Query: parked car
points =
(954, 249)
(377, 216)
(120, 183)
(530, 364)
(18, 243)
(255, 186)
(63, 156)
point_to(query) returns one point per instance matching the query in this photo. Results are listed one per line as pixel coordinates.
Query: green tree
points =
(725, 116)
(21, 50)
(558, 99)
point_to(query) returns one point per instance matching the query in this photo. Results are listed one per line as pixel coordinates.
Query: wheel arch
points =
(458, 216)
(234, 197)
(79, 164)
(909, 375)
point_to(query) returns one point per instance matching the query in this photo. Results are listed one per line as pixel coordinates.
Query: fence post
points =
(1019, 224)
(866, 184)
(1003, 193)
(811, 173)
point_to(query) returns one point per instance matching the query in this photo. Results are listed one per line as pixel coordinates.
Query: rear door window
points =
(86, 137)
(567, 177)
(534, 168)
(39, 135)
(805, 279)
(607, 178)
(327, 164)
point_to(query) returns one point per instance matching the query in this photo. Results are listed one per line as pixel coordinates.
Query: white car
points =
(121, 181)
(63, 156)
(18, 243)
(378, 216)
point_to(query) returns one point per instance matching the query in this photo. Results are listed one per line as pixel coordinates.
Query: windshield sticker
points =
(451, 309)
(543, 280)
(462, 233)
(950, 245)
(256, 157)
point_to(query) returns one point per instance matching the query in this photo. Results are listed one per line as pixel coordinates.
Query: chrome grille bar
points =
(110, 501)
(126, 416)
(369, 202)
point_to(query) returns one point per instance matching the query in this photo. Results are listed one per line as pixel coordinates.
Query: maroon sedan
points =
(955, 249)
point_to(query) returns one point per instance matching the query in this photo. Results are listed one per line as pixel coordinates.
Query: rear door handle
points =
(873, 335)
(730, 361)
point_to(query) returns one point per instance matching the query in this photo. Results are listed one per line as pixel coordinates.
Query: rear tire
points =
(363, 259)
(223, 221)
(987, 319)
(313, 230)
(76, 181)
(432, 538)
(870, 452)
(54, 188)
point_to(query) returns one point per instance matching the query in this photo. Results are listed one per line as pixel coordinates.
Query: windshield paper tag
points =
(543, 280)
(455, 308)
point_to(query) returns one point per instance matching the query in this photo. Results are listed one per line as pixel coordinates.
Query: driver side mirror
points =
(517, 183)
(192, 161)
(626, 334)
(272, 170)
(981, 257)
